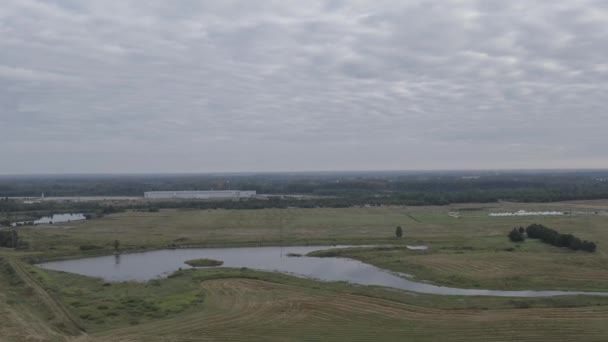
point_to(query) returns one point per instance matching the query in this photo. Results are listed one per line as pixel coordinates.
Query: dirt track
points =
(60, 314)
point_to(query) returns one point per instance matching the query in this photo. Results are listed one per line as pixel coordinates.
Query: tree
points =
(516, 236)
(521, 230)
(399, 232)
(9, 238)
(116, 244)
(588, 246)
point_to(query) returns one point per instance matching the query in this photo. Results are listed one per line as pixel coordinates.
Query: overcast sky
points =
(211, 86)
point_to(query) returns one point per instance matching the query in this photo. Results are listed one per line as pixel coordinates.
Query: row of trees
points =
(552, 237)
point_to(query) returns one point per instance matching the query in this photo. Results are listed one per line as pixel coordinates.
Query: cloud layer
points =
(206, 86)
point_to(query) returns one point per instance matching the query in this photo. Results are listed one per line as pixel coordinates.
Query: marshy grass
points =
(204, 262)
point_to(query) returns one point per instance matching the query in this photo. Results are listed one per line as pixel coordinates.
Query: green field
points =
(223, 304)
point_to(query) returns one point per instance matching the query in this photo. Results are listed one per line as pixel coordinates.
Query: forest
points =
(323, 189)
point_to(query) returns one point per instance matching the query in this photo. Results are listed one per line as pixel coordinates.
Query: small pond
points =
(57, 218)
(156, 264)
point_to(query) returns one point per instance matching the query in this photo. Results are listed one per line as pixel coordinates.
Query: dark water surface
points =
(156, 264)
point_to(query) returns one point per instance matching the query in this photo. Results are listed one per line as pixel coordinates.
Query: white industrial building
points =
(211, 194)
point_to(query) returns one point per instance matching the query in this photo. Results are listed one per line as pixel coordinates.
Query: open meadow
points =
(467, 250)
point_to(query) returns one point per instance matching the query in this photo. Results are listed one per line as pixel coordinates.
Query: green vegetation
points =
(100, 305)
(29, 312)
(228, 304)
(246, 309)
(467, 252)
(398, 232)
(224, 304)
(516, 236)
(552, 237)
(204, 262)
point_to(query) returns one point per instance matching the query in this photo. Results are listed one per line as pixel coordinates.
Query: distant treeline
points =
(552, 237)
(412, 199)
(339, 189)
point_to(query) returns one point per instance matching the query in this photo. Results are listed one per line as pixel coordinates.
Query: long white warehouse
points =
(211, 194)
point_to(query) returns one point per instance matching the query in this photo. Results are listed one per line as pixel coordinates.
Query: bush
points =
(516, 236)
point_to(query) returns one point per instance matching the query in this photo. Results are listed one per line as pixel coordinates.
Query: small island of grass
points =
(204, 262)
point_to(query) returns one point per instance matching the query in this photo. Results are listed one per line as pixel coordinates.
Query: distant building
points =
(211, 194)
(529, 213)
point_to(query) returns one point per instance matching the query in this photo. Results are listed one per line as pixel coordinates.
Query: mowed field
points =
(245, 310)
(243, 306)
(471, 251)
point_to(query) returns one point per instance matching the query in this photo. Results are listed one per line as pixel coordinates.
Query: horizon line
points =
(304, 172)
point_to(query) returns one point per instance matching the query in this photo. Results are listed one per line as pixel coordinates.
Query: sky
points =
(121, 86)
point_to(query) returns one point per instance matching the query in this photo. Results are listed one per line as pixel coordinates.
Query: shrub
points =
(204, 262)
(398, 232)
(516, 236)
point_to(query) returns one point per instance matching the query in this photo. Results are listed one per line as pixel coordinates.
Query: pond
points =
(156, 264)
(57, 218)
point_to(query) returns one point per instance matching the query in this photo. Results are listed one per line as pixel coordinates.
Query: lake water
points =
(156, 264)
(57, 218)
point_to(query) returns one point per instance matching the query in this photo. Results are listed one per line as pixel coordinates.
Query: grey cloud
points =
(130, 86)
